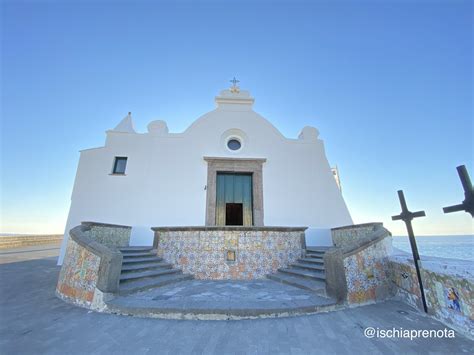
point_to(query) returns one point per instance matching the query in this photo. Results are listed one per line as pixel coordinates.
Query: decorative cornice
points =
(222, 100)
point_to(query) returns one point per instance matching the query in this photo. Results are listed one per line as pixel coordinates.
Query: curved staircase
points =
(307, 273)
(142, 270)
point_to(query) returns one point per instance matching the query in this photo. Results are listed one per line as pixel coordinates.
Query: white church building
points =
(230, 167)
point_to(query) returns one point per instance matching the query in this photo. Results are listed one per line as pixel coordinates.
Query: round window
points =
(234, 144)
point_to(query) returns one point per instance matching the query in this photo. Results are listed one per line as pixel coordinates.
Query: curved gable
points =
(234, 111)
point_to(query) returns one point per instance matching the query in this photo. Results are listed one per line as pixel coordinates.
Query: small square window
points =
(119, 165)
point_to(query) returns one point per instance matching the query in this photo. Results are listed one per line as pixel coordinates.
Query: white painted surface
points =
(126, 125)
(165, 179)
(141, 235)
(318, 237)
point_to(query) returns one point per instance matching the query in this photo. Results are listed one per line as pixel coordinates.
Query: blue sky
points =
(388, 85)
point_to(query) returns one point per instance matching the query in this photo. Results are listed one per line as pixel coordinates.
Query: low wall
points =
(29, 240)
(203, 251)
(92, 265)
(79, 274)
(448, 285)
(353, 236)
(110, 235)
(357, 267)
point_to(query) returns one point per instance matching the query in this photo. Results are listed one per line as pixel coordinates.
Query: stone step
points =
(145, 266)
(138, 255)
(127, 261)
(317, 286)
(315, 256)
(313, 275)
(133, 276)
(149, 283)
(313, 261)
(318, 249)
(308, 266)
(128, 250)
(315, 253)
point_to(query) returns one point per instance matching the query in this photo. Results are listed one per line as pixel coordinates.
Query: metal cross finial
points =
(468, 203)
(407, 216)
(234, 82)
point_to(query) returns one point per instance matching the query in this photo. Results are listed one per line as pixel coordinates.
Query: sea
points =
(442, 246)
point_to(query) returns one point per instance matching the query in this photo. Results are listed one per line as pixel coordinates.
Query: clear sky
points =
(389, 85)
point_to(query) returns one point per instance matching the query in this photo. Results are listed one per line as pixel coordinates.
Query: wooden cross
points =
(468, 203)
(407, 216)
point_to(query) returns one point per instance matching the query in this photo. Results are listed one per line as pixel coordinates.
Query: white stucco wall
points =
(166, 175)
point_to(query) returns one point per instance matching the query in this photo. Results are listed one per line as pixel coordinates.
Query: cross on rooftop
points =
(234, 82)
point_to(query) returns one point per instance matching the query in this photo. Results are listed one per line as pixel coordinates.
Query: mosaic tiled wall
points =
(204, 253)
(404, 277)
(449, 298)
(110, 236)
(78, 276)
(366, 273)
(348, 236)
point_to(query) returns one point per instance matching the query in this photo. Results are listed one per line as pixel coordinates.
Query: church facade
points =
(230, 167)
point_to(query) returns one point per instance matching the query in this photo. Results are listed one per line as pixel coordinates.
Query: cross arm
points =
(408, 216)
(454, 208)
(468, 203)
(464, 177)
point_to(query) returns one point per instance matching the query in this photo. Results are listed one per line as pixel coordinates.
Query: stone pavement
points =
(34, 321)
(222, 300)
(29, 253)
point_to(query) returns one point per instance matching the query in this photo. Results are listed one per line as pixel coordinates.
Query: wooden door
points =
(234, 196)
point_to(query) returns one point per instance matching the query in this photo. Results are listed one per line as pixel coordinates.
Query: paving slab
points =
(29, 253)
(34, 321)
(222, 300)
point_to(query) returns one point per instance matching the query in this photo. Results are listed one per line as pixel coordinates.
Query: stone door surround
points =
(234, 165)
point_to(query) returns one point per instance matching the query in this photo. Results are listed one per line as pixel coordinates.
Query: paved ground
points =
(29, 253)
(221, 299)
(34, 321)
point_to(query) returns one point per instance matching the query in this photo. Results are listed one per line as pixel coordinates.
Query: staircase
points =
(307, 273)
(142, 269)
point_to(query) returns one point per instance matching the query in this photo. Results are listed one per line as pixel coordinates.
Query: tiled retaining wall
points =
(92, 264)
(110, 235)
(366, 273)
(356, 268)
(448, 285)
(79, 273)
(202, 251)
(351, 235)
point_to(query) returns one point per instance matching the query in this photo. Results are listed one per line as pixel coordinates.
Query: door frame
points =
(252, 166)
